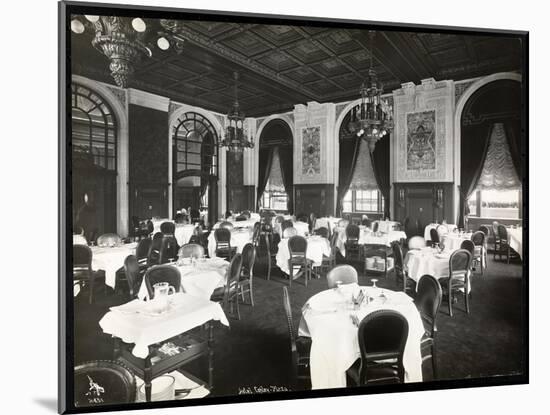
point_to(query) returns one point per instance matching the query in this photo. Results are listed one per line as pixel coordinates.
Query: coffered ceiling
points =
(281, 66)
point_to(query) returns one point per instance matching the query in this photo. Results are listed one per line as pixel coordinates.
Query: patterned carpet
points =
(255, 351)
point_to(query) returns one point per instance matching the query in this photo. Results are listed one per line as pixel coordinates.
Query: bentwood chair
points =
(458, 280)
(108, 239)
(256, 233)
(480, 254)
(375, 226)
(246, 282)
(290, 232)
(468, 245)
(133, 275)
(341, 274)
(434, 236)
(382, 337)
(286, 224)
(191, 251)
(103, 382)
(82, 268)
(162, 273)
(270, 246)
(353, 250)
(298, 261)
(299, 346)
(494, 228)
(229, 294)
(168, 250)
(502, 244)
(330, 261)
(322, 231)
(154, 253)
(223, 244)
(142, 251)
(428, 300)
(168, 228)
(226, 225)
(401, 277)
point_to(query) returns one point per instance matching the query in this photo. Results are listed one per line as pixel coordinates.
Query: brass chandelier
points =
(372, 119)
(235, 137)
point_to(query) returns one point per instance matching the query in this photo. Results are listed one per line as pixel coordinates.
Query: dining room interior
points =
(264, 206)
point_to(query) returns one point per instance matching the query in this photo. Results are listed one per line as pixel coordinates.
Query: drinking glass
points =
(374, 281)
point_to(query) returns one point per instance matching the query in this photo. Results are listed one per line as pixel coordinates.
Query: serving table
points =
(111, 259)
(326, 318)
(187, 325)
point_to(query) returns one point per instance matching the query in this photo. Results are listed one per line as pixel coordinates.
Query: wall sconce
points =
(402, 197)
(438, 197)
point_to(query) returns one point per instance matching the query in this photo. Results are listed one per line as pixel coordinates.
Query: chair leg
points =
(434, 361)
(467, 300)
(450, 304)
(237, 306)
(91, 295)
(250, 292)
(267, 245)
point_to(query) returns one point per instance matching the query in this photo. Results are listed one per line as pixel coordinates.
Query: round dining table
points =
(327, 319)
(317, 246)
(239, 238)
(367, 237)
(111, 259)
(183, 232)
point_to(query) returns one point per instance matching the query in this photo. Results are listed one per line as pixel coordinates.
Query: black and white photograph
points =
(262, 207)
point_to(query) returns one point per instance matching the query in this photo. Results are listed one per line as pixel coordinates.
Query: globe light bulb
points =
(163, 43)
(77, 26)
(139, 25)
(91, 18)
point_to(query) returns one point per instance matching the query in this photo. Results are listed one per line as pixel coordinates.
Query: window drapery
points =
(381, 165)
(363, 175)
(287, 173)
(349, 152)
(264, 169)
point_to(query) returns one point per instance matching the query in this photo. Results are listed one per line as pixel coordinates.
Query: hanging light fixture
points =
(121, 40)
(372, 119)
(235, 138)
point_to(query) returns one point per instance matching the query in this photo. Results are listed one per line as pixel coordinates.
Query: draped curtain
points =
(513, 135)
(473, 148)
(381, 165)
(287, 172)
(349, 150)
(264, 168)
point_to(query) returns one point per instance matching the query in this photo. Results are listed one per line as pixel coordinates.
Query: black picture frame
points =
(66, 300)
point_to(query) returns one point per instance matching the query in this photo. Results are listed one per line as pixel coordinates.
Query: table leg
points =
(210, 356)
(116, 348)
(147, 378)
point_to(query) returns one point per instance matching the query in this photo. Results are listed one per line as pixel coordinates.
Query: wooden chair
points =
(496, 239)
(382, 338)
(142, 251)
(246, 282)
(228, 295)
(154, 252)
(103, 382)
(297, 247)
(459, 278)
(82, 268)
(353, 250)
(168, 250)
(330, 261)
(223, 244)
(191, 251)
(469, 246)
(162, 273)
(133, 275)
(226, 225)
(434, 236)
(375, 251)
(480, 254)
(398, 267)
(343, 274)
(168, 228)
(289, 232)
(428, 300)
(285, 225)
(108, 239)
(375, 226)
(322, 231)
(269, 240)
(502, 244)
(299, 346)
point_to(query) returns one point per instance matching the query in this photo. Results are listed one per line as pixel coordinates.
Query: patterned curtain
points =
(363, 176)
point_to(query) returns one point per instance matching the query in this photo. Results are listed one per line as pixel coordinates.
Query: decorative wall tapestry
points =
(421, 144)
(311, 151)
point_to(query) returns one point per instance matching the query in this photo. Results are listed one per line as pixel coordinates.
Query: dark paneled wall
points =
(148, 152)
(316, 198)
(239, 196)
(422, 204)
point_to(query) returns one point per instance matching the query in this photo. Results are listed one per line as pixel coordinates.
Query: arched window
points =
(93, 129)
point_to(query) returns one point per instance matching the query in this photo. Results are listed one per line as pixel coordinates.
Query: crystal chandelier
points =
(235, 138)
(121, 40)
(372, 118)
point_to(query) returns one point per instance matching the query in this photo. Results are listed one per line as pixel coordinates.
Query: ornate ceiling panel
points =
(281, 66)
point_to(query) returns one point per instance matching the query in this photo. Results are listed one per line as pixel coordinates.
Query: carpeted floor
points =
(255, 351)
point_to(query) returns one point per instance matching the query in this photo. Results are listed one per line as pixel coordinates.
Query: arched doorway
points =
(94, 162)
(195, 165)
(276, 180)
(495, 104)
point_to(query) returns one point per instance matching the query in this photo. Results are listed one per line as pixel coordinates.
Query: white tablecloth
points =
(335, 346)
(183, 233)
(515, 236)
(199, 280)
(367, 237)
(249, 223)
(239, 238)
(387, 226)
(302, 228)
(317, 246)
(79, 240)
(158, 222)
(111, 260)
(129, 322)
(329, 223)
(452, 241)
(427, 237)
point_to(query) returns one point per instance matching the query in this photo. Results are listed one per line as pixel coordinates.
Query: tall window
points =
(368, 201)
(498, 204)
(93, 128)
(275, 196)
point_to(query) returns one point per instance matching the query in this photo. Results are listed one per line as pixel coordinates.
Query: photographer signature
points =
(247, 390)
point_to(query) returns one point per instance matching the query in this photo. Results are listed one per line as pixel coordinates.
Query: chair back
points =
(468, 245)
(417, 242)
(109, 239)
(249, 258)
(398, 263)
(343, 223)
(291, 332)
(132, 272)
(478, 238)
(366, 222)
(344, 274)
(382, 335)
(297, 246)
(485, 230)
(256, 233)
(289, 232)
(232, 277)
(279, 219)
(226, 225)
(143, 248)
(191, 251)
(222, 237)
(434, 236)
(502, 233)
(352, 233)
(375, 226)
(168, 250)
(286, 224)
(154, 252)
(82, 258)
(428, 300)
(168, 228)
(322, 231)
(162, 273)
